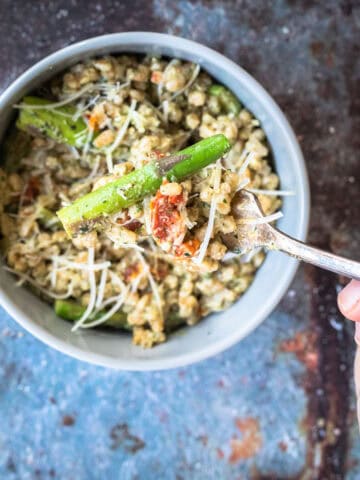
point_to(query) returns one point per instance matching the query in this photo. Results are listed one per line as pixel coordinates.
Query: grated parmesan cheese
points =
(260, 220)
(211, 220)
(165, 108)
(81, 107)
(108, 314)
(189, 83)
(94, 170)
(134, 246)
(26, 278)
(101, 289)
(155, 110)
(153, 284)
(115, 278)
(147, 215)
(134, 286)
(243, 184)
(120, 135)
(85, 149)
(275, 193)
(61, 103)
(92, 283)
(53, 274)
(248, 156)
(160, 86)
(94, 267)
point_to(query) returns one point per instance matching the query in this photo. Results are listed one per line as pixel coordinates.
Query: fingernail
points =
(357, 333)
(349, 300)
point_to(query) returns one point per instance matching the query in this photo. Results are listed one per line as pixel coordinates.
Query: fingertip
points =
(349, 301)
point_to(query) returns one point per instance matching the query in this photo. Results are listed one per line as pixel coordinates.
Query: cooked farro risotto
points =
(116, 189)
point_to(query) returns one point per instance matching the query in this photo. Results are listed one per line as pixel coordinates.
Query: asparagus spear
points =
(88, 211)
(72, 311)
(226, 98)
(57, 123)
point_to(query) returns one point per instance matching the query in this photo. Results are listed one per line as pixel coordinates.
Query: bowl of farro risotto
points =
(120, 157)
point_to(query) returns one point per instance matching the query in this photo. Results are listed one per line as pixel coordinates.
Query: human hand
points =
(349, 305)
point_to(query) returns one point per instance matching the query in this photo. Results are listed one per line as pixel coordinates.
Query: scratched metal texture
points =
(280, 404)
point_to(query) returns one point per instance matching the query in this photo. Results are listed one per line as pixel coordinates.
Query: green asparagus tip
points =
(89, 211)
(37, 116)
(227, 99)
(72, 311)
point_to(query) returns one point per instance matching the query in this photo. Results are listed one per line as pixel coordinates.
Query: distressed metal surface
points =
(280, 404)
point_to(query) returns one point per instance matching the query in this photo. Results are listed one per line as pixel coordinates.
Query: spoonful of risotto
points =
(194, 209)
(171, 209)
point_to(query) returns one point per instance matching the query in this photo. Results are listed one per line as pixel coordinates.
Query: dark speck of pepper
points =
(68, 420)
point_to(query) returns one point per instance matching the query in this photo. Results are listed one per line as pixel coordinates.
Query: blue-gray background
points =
(279, 405)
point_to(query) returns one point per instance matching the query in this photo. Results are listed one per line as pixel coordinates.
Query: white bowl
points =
(218, 331)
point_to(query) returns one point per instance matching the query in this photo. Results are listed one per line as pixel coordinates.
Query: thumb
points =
(349, 301)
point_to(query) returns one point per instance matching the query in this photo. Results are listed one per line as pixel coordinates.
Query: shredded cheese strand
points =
(94, 170)
(155, 110)
(247, 257)
(80, 266)
(275, 193)
(134, 246)
(79, 139)
(110, 313)
(53, 274)
(81, 134)
(92, 284)
(211, 220)
(136, 282)
(228, 160)
(111, 86)
(26, 278)
(115, 278)
(192, 79)
(248, 157)
(147, 215)
(260, 220)
(243, 184)
(153, 284)
(160, 86)
(101, 289)
(109, 161)
(165, 108)
(61, 103)
(74, 152)
(81, 109)
(86, 147)
(119, 137)
(108, 301)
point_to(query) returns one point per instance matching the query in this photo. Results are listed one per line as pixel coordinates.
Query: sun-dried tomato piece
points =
(187, 249)
(166, 221)
(32, 190)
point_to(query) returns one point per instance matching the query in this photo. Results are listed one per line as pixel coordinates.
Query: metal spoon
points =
(246, 207)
